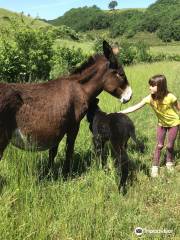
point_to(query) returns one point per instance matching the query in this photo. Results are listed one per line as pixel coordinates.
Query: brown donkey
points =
(37, 116)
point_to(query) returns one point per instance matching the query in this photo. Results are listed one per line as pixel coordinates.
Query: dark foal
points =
(36, 116)
(116, 128)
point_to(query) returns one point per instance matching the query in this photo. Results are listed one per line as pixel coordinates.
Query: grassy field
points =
(169, 49)
(88, 206)
(87, 47)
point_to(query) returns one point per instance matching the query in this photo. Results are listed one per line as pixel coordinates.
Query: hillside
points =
(161, 18)
(6, 16)
(89, 18)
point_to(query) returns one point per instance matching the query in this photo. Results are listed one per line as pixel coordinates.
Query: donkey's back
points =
(36, 116)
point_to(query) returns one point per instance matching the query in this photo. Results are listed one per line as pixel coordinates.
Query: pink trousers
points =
(171, 133)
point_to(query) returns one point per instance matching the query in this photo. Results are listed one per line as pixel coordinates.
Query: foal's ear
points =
(108, 53)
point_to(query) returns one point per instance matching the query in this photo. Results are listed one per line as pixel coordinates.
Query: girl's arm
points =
(177, 105)
(133, 108)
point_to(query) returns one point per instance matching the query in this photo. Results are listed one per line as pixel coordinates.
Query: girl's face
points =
(115, 50)
(153, 89)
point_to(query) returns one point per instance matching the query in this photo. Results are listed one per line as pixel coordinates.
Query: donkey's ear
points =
(107, 49)
(108, 53)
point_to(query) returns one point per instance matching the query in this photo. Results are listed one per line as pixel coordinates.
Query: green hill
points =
(6, 16)
(164, 17)
(161, 18)
(89, 18)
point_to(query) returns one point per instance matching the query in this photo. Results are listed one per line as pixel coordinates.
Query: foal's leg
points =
(122, 164)
(99, 144)
(52, 155)
(71, 137)
(124, 169)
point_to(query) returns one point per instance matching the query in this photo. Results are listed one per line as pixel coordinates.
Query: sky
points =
(49, 9)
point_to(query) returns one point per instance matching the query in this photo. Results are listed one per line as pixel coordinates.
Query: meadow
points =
(156, 46)
(89, 206)
(168, 49)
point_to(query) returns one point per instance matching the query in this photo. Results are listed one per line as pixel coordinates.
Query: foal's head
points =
(115, 80)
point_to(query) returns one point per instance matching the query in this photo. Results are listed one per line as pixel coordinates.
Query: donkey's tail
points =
(10, 102)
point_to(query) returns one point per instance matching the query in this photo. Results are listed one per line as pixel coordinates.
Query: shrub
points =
(118, 29)
(66, 32)
(98, 45)
(127, 53)
(142, 52)
(159, 57)
(25, 53)
(65, 60)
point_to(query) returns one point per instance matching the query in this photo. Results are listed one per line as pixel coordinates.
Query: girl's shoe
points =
(154, 171)
(170, 166)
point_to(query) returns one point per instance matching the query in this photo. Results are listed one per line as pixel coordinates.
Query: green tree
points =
(176, 30)
(112, 5)
(165, 32)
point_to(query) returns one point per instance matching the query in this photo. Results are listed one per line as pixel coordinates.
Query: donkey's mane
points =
(91, 60)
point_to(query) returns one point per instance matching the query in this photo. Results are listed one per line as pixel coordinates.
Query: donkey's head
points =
(115, 80)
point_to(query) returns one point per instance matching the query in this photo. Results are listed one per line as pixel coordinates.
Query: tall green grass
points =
(88, 206)
(169, 49)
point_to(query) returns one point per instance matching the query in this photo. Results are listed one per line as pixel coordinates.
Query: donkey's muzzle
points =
(126, 95)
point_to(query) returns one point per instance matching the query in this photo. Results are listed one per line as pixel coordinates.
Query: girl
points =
(165, 106)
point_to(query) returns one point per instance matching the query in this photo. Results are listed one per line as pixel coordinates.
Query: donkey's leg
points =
(4, 141)
(52, 155)
(71, 137)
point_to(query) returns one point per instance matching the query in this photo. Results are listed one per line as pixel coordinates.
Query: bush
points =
(130, 33)
(25, 54)
(127, 53)
(64, 60)
(118, 29)
(142, 52)
(159, 57)
(98, 48)
(66, 32)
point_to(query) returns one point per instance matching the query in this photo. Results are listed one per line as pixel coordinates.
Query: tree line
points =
(162, 17)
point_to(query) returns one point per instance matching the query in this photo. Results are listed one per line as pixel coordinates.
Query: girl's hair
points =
(161, 83)
(115, 45)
